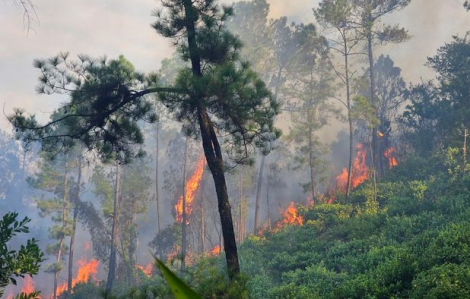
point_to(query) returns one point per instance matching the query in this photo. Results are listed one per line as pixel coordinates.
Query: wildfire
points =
(85, 271)
(360, 171)
(192, 185)
(310, 201)
(389, 154)
(87, 246)
(291, 216)
(215, 251)
(147, 270)
(28, 285)
(173, 253)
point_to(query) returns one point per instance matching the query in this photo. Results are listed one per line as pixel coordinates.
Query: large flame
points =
(147, 270)
(291, 216)
(85, 271)
(192, 185)
(360, 171)
(390, 155)
(28, 285)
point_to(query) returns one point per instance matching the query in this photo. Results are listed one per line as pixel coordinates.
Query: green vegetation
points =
(20, 262)
(381, 212)
(416, 245)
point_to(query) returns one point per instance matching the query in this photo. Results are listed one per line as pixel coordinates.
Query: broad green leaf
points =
(177, 286)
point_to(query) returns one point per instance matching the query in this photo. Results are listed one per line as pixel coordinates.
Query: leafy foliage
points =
(438, 111)
(17, 263)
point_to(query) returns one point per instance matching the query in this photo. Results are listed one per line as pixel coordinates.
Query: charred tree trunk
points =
(76, 198)
(183, 212)
(114, 234)
(258, 194)
(212, 151)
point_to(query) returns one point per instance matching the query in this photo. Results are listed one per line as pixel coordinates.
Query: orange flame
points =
(291, 216)
(147, 270)
(87, 246)
(86, 271)
(389, 154)
(10, 295)
(192, 185)
(360, 171)
(28, 285)
(215, 251)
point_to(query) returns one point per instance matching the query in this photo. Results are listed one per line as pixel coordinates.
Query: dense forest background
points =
(268, 154)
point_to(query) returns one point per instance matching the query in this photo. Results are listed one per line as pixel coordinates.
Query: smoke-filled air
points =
(248, 149)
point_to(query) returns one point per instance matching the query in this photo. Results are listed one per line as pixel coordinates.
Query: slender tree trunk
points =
(258, 194)
(464, 149)
(64, 224)
(351, 129)
(203, 228)
(183, 222)
(23, 169)
(157, 189)
(114, 234)
(268, 205)
(374, 105)
(311, 161)
(132, 249)
(240, 207)
(76, 198)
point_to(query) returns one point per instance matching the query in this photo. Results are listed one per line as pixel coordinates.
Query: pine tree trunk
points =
(240, 207)
(351, 129)
(311, 161)
(212, 151)
(214, 160)
(203, 228)
(183, 222)
(267, 205)
(114, 234)
(374, 105)
(74, 225)
(157, 189)
(64, 224)
(258, 194)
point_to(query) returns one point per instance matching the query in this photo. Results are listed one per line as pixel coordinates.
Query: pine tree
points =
(311, 86)
(54, 178)
(369, 14)
(218, 94)
(338, 15)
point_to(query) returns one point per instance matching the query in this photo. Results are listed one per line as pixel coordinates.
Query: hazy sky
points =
(114, 27)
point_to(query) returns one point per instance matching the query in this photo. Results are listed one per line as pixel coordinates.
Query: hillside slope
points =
(413, 242)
